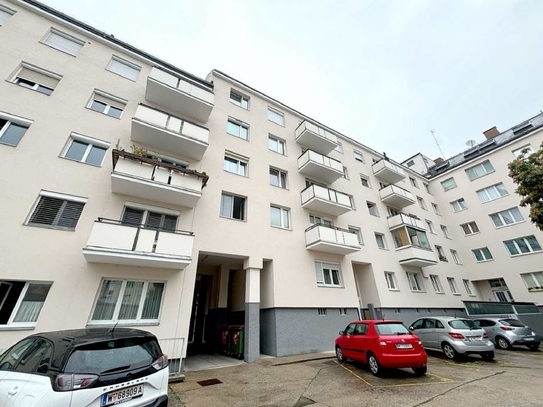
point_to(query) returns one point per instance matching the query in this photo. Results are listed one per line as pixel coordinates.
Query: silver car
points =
(507, 332)
(453, 336)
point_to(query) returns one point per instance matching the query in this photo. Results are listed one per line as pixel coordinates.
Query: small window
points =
(276, 145)
(358, 232)
(410, 163)
(280, 217)
(522, 245)
(235, 165)
(339, 147)
(436, 209)
(372, 208)
(525, 150)
(413, 182)
(317, 220)
(479, 170)
(85, 149)
(427, 188)
(452, 285)
(445, 231)
(107, 104)
(491, 193)
(34, 78)
(430, 225)
(421, 202)
(12, 129)
(232, 206)
(328, 274)
(455, 256)
(380, 239)
(441, 253)
(507, 217)
(358, 156)
(237, 129)
(21, 302)
(482, 254)
(459, 205)
(239, 100)
(415, 282)
(63, 42)
(470, 228)
(345, 172)
(124, 68)
(278, 178)
(5, 14)
(467, 286)
(321, 311)
(365, 181)
(343, 311)
(436, 283)
(276, 117)
(448, 184)
(391, 280)
(57, 211)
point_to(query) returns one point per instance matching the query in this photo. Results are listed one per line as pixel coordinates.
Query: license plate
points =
(404, 346)
(120, 396)
(528, 339)
(474, 338)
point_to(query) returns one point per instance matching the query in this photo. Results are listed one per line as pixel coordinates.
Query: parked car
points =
(381, 344)
(507, 332)
(453, 336)
(94, 367)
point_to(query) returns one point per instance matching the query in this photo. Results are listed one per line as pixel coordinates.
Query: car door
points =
(345, 341)
(435, 331)
(12, 382)
(418, 328)
(359, 341)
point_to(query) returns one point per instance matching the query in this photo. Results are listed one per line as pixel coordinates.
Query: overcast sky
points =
(383, 72)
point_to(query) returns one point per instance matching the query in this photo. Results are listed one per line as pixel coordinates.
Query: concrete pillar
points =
(252, 313)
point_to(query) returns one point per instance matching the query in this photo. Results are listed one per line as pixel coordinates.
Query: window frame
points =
(390, 278)
(459, 205)
(436, 284)
(13, 120)
(435, 207)
(526, 243)
(282, 178)
(243, 207)
(75, 40)
(421, 203)
(58, 216)
(280, 122)
(511, 215)
(455, 256)
(239, 161)
(320, 266)
(242, 97)
(445, 231)
(413, 277)
(284, 213)
(471, 172)
(240, 125)
(358, 156)
(470, 228)
(16, 79)
(467, 287)
(452, 186)
(147, 210)
(11, 324)
(126, 63)
(375, 211)
(108, 106)
(481, 251)
(537, 283)
(91, 142)
(441, 253)
(453, 286)
(366, 179)
(430, 225)
(493, 188)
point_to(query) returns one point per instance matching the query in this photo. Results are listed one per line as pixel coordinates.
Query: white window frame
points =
(481, 251)
(517, 151)
(427, 187)
(136, 69)
(511, 213)
(240, 125)
(26, 324)
(281, 145)
(244, 100)
(441, 253)
(436, 284)
(455, 256)
(533, 280)
(316, 219)
(383, 240)
(445, 231)
(413, 182)
(479, 170)
(5, 14)
(358, 232)
(452, 285)
(71, 38)
(55, 195)
(276, 116)
(467, 287)
(282, 178)
(485, 196)
(469, 228)
(366, 179)
(421, 202)
(358, 156)
(372, 208)
(240, 163)
(320, 267)
(390, 278)
(448, 184)
(91, 142)
(526, 243)
(415, 283)
(16, 79)
(231, 209)
(430, 225)
(108, 106)
(460, 205)
(11, 119)
(284, 217)
(436, 209)
(339, 147)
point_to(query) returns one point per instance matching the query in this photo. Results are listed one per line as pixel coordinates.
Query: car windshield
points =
(391, 329)
(512, 322)
(463, 324)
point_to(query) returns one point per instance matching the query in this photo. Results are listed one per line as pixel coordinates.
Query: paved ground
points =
(515, 378)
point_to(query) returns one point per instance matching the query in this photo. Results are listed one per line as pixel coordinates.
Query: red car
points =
(382, 344)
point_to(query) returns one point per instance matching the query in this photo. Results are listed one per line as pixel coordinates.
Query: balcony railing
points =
(113, 242)
(326, 200)
(147, 178)
(169, 133)
(404, 219)
(388, 172)
(416, 256)
(180, 94)
(315, 138)
(331, 239)
(397, 197)
(320, 167)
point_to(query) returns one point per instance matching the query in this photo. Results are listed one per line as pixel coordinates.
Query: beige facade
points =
(231, 209)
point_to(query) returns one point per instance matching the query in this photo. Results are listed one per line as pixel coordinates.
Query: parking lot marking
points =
(353, 373)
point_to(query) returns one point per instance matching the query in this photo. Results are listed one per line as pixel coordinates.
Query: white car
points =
(94, 367)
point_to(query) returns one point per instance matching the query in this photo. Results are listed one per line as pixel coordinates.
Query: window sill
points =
(104, 114)
(235, 173)
(418, 292)
(81, 162)
(49, 227)
(485, 261)
(123, 324)
(279, 227)
(329, 286)
(472, 234)
(526, 254)
(440, 292)
(457, 294)
(394, 289)
(17, 328)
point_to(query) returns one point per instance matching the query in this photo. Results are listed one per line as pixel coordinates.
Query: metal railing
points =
(173, 348)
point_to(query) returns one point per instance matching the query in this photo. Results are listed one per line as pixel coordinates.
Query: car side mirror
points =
(341, 333)
(411, 328)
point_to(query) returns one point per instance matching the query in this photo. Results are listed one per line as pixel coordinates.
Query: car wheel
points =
(420, 371)
(503, 343)
(533, 347)
(489, 356)
(449, 351)
(339, 355)
(374, 365)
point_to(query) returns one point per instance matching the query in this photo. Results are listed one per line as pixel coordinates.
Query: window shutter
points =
(132, 216)
(170, 222)
(153, 220)
(37, 77)
(63, 43)
(57, 212)
(319, 273)
(108, 101)
(71, 212)
(123, 69)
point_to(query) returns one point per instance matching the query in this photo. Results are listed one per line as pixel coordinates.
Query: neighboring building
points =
(138, 194)
(419, 163)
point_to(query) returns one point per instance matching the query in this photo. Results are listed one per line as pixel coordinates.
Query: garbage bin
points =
(225, 340)
(236, 333)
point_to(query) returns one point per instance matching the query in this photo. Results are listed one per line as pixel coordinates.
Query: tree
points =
(527, 172)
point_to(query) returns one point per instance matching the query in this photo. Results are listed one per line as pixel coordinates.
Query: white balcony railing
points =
(388, 171)
(319, 166)
(330, 239)
(326, 200)
(416, 256)
(396, 196)
(404, 219)
(315, 138)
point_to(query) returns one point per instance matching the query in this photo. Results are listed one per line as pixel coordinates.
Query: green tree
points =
(527, 172)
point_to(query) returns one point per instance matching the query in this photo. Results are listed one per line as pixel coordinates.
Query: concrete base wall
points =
(409, 315)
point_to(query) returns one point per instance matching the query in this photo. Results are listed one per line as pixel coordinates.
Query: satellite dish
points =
(470, 143)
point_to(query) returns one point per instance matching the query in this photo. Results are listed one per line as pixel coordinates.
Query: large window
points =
(21, 302)
(479, 170)
(328, 274)
(124, 68)
(459, 205)
(491, 193)
(63, 42)
(507, 217)
(482, 254)
(85, 149)
(415, 282)
(276, 145)
(149, 218)
(40, 80)
(12, 129)
(57, 211)
(470, 228)
(391, 280)
(128, 301)
(448, 184)
(232, 206)
(280, 217)
(239, 100)
(526, 150)
(534, 281)
(276, 117)
(522, 245)
(235, 165)
(107, 104)
(237, 129)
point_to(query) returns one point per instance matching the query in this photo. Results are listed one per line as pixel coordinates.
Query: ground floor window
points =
(21, 302)
(328, 274)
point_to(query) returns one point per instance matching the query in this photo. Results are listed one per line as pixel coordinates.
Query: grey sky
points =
(382, 72)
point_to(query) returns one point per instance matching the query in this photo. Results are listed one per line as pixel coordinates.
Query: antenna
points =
(437, 142)
(113, 329)
(470, 143)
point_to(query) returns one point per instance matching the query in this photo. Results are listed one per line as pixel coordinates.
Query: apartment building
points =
(137, 194)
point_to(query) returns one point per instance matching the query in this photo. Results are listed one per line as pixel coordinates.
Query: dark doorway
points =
(198, 318)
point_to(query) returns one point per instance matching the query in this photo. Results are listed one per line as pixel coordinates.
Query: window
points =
(491, 193)
(128, 301)
(445, 231)
(343, 311)
(358, 156)
(410, 163)
(522, 245)
(124, 68)
(380, 239)
(455, 256)
(328, 274)
(237, 129)
(452, 285)
(278, 178)
(321, 311)
(280, 217)
(430, 225)
(358, 232)
(21, 302)
(391, 280)
(5, 14)
(459, 205)
(470, 228)
(372, 208)
(232, 206)
(427, 188)
(482, 254)
(441, 253)
(276, 117)
(63, 42)
(317, 220)
(448, 184)
(467, 286)
(85, 149)
(365, 181)
(345, 172)
(107, 104)
(12, 129)
(149, 217)
(239, 100)
(414, 281)
(436, 209)
(40, 80)
(235, 165)
(479, 170)
(276, 145)
(517, 152)
(534, 281)
(413, 182)
(57, 211)
(436, 283)
(507, 217)
(421, 202)
(339, 147)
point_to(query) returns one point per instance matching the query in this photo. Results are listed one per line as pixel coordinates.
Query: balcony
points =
(146, 178)
(319, 167)
(315, 138)
(396, 197)
(416, 256)
(325, 200)
(183, 95)
(330, 239)
(403, 219)
(112, 242)
(388, 172)
(169, 133)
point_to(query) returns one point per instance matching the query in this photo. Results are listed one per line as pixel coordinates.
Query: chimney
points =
(438, 160)
(493, 132)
